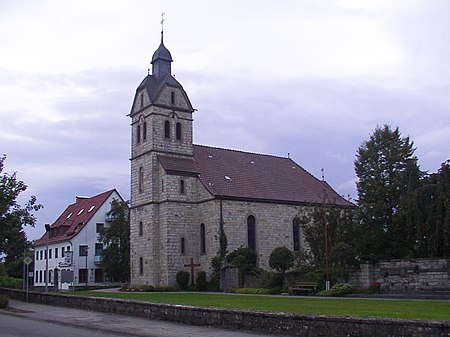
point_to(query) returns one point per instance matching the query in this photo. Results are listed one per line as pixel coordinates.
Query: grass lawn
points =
(406, 309)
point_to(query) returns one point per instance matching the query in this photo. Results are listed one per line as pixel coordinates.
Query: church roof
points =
(251, 176)
(75, 217)
(162, 53)
(155, 83)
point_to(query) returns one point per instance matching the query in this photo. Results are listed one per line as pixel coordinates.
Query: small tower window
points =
(182, 187)
(167, 129)
(162, 185)
(172, 97)
(202, 239)
(144, 131)
(178, 131)
(142, 100)
(251, 232)
(183, 246)
(141, 266)
(138, 134)
(141, 179)
(140, 228)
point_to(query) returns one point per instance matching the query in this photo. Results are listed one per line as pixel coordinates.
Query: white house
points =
(70, 249)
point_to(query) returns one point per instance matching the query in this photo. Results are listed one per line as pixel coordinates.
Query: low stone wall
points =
(405, 275)
(266, 322)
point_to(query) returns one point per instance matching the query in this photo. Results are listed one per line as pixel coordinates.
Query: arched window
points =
(144, 131)
(141, 179)
(182, 246)
(138, 134)
(167, 129)
(141, 266)
(178, 131)
(202, 239)
(296, 234)
(251, 232)
(182, 187)
(141, 229)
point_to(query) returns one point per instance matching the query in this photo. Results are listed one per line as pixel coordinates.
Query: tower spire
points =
(161, 59)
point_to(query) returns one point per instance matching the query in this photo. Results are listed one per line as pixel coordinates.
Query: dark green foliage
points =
(281, 259)
(342, 237)
(244, 259)
(200, 281)
(182, 279)
(388, 173)
(116, 238)
(13, 218)
(4, 300)
(10, 282)
(338, 289)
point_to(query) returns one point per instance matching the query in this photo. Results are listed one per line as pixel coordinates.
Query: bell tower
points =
(161, 125)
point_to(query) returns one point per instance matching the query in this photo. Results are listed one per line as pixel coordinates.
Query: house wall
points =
(87, 235)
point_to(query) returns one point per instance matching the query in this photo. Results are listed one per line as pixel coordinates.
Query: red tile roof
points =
(74, 218)
(250, 176)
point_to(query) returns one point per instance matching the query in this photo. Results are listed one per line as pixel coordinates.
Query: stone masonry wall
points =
(275, 323)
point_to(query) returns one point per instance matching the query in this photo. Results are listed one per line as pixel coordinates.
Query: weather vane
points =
(162, 21)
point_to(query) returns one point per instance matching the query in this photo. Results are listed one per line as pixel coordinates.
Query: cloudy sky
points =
(309, 78)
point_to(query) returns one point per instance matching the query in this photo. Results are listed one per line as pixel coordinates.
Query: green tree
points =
(428, 212)
(244, 259)
(116, 238)
(388, 174)
(281, 259)
(13, 219)
(331, 234)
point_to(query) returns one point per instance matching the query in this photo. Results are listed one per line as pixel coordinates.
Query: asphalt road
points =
(27, 319)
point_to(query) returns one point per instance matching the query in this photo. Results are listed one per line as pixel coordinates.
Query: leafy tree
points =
(13, 219)
(281, 259)
(428, 212)
(337, 255)
(244, 259)
(116, 238)
(388, 173)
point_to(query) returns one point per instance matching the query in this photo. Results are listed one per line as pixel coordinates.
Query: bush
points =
(10, 282)
(338, 289)
(200, 281)
(4, 300)
(254, 291)
(182, 279)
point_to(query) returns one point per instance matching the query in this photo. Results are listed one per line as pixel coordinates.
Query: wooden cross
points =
(192, 265)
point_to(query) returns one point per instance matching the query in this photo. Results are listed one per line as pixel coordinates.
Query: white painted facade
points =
(59, 260)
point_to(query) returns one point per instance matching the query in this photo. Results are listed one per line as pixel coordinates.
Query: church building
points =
(181, 192)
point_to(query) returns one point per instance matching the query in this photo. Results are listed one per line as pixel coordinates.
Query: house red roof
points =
(74, 218)
(250, 176)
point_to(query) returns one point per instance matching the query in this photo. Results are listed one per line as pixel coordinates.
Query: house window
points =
(182, 187)
(37, 255)
(82, 275)
(36, 280)
(62, 251)
(144, 131)
(202, 239)
(141, 266)
(167, 129)
(141, 179)
(98, 249)
(183, 246)
(56, 253)
(45, 254)
(138, 134)
(50, 253)
(41, 255)
(40, 276)
(140, 228)
(99, 227)
(296, 234)
(172, 97)
(251, 232)
(83, 250)
(178, 131)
